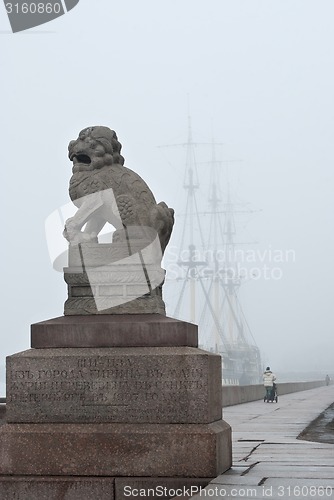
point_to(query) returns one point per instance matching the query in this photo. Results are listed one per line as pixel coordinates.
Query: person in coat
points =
(268, 382)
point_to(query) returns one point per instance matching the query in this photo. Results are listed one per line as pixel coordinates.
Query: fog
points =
(258, 76)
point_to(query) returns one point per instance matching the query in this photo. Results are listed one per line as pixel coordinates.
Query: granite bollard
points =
(113, 393)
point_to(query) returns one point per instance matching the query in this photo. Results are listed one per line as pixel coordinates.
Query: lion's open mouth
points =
(81, 158)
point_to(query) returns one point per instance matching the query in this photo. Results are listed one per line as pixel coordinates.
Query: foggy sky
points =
(259, 76)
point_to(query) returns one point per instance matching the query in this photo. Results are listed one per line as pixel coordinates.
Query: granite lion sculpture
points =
(104, 190)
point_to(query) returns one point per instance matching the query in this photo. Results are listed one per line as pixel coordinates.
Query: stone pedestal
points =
(92, 293)
(117, 278)
(103, 399)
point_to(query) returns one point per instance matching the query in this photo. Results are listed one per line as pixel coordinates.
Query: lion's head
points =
(95, 148)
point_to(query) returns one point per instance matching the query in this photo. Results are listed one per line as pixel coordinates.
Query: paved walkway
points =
(268, 461)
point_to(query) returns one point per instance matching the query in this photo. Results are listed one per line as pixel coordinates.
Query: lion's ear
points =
(119, 159)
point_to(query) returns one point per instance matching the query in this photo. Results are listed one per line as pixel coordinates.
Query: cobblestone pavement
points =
(269, 462)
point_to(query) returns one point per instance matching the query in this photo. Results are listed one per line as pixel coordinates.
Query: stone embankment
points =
(270, 460)
(237, 394)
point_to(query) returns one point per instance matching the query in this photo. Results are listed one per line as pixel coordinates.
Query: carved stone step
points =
(128, 330)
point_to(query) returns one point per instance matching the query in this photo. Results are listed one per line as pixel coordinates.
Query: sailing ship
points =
(204, 279)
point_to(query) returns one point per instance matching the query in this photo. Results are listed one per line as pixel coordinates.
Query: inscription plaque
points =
(129, 385)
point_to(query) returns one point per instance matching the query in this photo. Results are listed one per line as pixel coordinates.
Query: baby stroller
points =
(273, 395)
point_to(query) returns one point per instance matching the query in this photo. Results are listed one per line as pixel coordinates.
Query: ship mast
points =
(192, 235)
(190, 184)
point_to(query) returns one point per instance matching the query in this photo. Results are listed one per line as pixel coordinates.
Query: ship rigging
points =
(204, 284)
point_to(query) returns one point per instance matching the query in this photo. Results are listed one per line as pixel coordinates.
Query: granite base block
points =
(122, 384)
(55, 488)
(96, 488)
(124, 330)
(153, 450)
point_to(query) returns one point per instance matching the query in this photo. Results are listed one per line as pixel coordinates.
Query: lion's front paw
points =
(74, 236)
